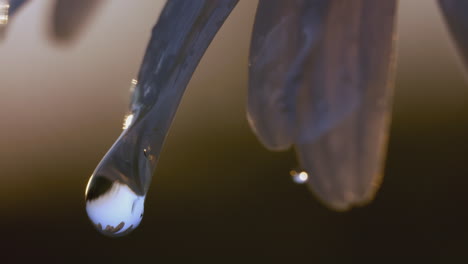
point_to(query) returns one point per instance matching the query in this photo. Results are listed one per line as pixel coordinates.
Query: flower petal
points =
(70, 17)
(344, 102)
(179, 40)
(284, 35)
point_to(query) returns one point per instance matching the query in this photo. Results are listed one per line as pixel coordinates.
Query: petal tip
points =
(342, 200)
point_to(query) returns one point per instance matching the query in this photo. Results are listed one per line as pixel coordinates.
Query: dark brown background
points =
(217, 193)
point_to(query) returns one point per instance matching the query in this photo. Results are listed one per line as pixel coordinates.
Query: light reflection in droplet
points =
(113, 207)
(4, 7)
(127, 121)
(133, 85)
(299, 177)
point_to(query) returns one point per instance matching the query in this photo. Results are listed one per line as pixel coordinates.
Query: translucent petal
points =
(344, 102)
(116, 191)
(284, 35)
(456, 15)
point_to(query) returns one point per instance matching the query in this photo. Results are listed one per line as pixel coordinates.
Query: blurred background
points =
(217, 193)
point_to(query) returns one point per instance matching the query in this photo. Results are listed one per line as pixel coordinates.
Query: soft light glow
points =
(299, 177)
(128, 121)
(4, 7)
(133, 85)
(303, 176)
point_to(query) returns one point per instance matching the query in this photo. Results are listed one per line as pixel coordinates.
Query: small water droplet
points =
(299, 177)
(112, 206)
(147, 153)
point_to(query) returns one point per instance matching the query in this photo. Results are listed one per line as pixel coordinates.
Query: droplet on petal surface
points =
(113, 207)
(117, 189)
(299, 177)
(321, 79)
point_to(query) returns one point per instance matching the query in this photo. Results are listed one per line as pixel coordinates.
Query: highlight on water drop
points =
(299, 177)
(127, 121)
(114, 209)
(133, 85)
